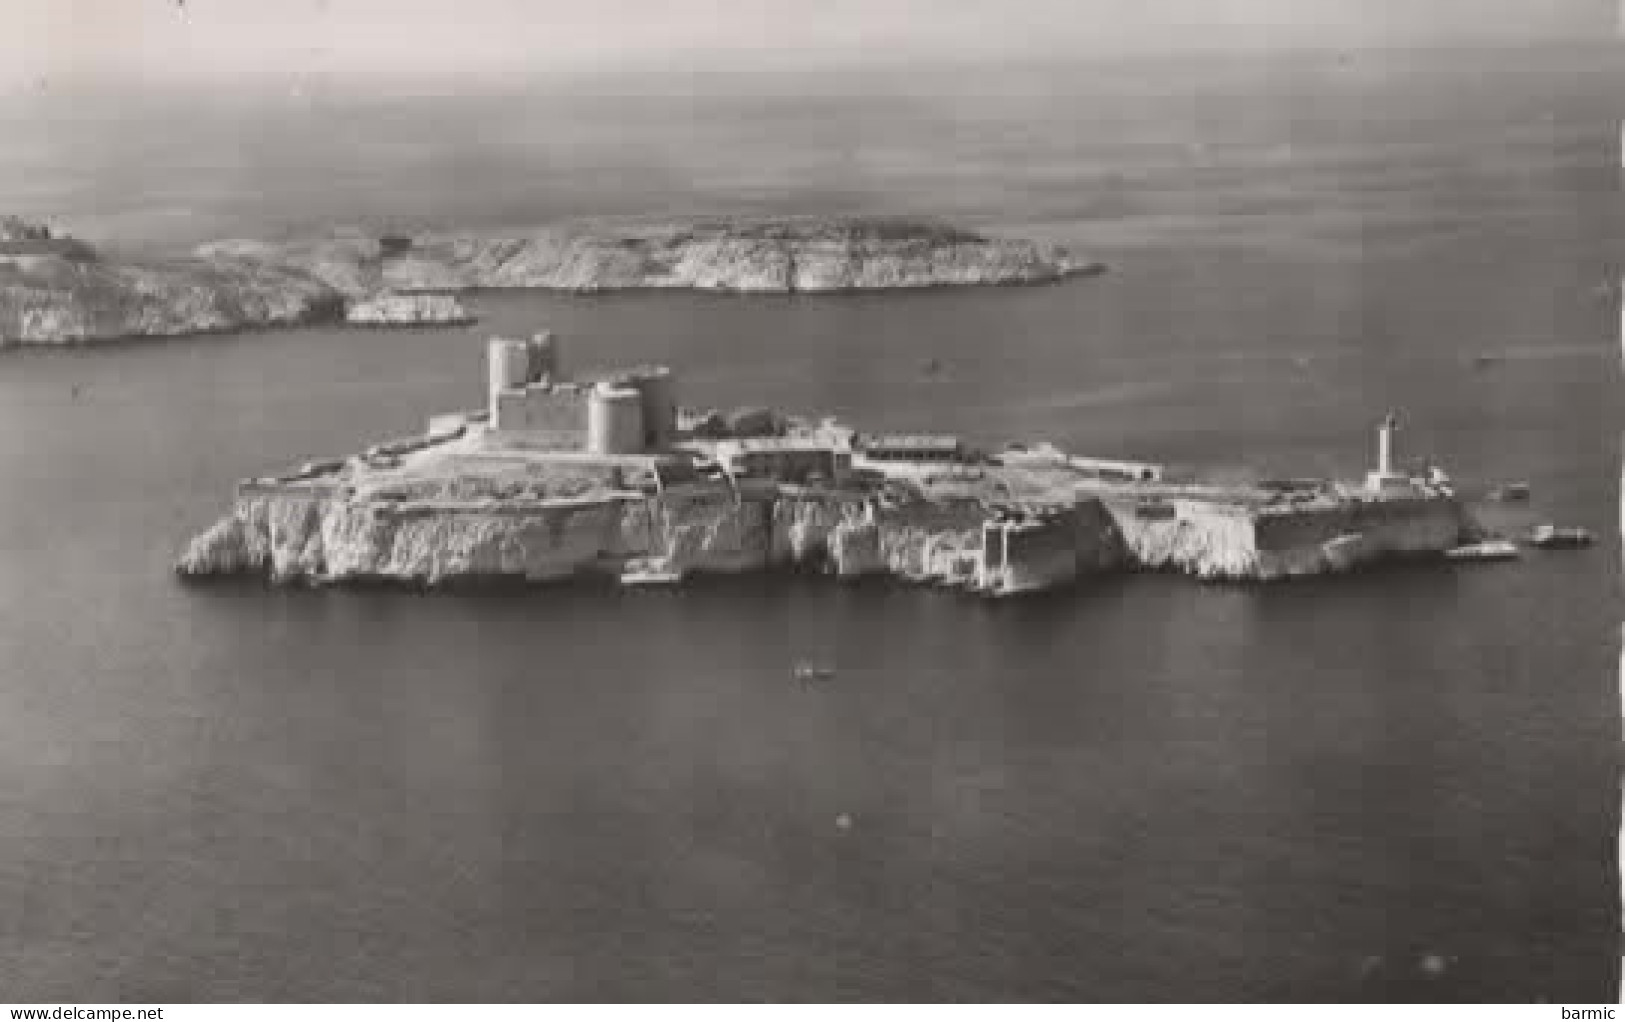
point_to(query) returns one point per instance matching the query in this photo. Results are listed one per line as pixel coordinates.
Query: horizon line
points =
(706, 64)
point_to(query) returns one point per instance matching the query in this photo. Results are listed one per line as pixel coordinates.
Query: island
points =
(388, 310)
(57, 290)
(61, 291)
(604, 475)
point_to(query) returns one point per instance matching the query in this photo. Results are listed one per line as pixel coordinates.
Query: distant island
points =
(56, 290)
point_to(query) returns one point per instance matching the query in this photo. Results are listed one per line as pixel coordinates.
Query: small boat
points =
(1487, 550)
(1551, 537)
(931, 367)
(1485, 361)
(1345, 552)
(1508, 493)
(806, 672)
(1005, 588)
(650, 572)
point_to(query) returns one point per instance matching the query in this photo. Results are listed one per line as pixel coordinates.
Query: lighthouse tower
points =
(1385, 479)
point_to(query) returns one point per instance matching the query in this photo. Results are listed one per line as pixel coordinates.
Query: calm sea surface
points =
(1148, 788)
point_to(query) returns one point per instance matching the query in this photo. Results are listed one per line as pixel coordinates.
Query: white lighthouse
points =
(1385, 479)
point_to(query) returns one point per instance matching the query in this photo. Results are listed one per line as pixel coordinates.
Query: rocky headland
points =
(60, 291)
(57, 290)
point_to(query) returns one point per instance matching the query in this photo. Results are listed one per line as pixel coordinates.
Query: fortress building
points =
(533, 405)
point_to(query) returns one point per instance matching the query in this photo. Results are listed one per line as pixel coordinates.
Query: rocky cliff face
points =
(856, 538)
(1230, 544)
(296, 536)
(293, 535)
(290, 537)
(1218, 546)
(52, 299)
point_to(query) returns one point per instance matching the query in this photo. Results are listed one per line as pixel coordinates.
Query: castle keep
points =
(532, 404)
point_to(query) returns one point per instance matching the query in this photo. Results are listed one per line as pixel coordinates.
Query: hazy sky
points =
(190, 38)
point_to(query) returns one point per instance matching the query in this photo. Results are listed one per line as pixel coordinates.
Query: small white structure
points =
(922, 447)
(1118, 471)
(1045, 454)
(906, 451)
(1385, 479)
(509, 363)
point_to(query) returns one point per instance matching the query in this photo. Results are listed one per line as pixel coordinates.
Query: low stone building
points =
(911, 448)
(785, 459)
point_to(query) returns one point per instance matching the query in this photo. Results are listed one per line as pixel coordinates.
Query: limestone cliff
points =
(57, 291)
(1228, 543)
(294, 535)
(780, 255)
(856, 538)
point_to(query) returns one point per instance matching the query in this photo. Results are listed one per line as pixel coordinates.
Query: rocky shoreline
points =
(57, 290)
(307, 537)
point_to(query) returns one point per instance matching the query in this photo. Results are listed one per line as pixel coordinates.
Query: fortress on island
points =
(604, 474)
(532, 404)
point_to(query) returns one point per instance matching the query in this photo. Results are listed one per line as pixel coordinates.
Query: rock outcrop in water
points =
(407, 310)
(58, 291)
